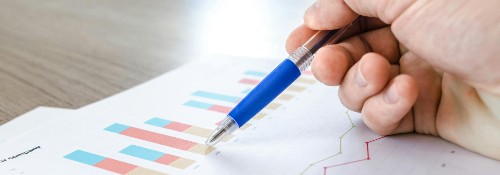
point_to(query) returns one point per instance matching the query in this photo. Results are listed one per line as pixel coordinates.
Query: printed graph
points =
(109, 164)
(325, 168)
(157, 138)
(204, 100)
(157, 156)
(252, 78)
(182, 127)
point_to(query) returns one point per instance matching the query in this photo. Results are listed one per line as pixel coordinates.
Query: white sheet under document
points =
(160, 126)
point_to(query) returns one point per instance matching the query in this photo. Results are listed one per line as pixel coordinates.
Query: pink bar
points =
(249, 81)
(307, 72)
(158, 138)
(176, 126)
(115, 166)
(166, 159)
(221, 109)
(219, 122)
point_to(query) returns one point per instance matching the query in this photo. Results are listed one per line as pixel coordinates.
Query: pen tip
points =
(226, 127)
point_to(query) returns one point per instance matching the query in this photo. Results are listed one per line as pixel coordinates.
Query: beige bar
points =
(259, 116)
(143, 171)
(201, 149)
(182, 163)
(197, 131)
(245, 126)
(227, 138)
(273, 106)
(295, 88)
(305, 80)
(285, 97)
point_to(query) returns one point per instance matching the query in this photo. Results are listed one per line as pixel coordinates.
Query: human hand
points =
(431, 67)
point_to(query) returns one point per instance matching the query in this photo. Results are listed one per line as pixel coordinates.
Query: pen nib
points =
(227, 127)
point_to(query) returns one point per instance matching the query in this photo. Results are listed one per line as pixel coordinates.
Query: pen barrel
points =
(265, 92)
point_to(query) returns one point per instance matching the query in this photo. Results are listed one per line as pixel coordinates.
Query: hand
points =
(431, 67)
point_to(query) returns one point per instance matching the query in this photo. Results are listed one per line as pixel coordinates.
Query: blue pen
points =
(276, 82)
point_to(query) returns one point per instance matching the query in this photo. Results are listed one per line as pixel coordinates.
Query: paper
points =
(160, 127)
(30, 120)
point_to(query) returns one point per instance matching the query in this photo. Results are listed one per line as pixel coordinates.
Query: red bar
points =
(166, 159)
(158, 138)
(221, 109)
(115, 166)
(176, 126)
(249, 81)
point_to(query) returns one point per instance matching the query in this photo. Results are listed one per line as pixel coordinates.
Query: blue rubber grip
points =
(265, 92)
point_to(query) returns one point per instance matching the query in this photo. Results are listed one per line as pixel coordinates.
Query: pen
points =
(276, 82)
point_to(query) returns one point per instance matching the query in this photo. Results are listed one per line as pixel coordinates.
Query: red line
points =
(367, 151)
(367, 156)
(346, 163)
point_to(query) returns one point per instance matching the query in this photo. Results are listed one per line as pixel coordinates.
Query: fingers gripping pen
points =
(276, 82)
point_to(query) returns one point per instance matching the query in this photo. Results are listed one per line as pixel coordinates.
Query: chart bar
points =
(273, 106)
(249, 81)
(295, 88)
(307, 72)
(157, 156)
(255, 73)
(305, 80)
(216, 96)
(207, 106)
(246, 91)
(161, 139)
(109, 164)
(259, 116)
(180, 127)
(285, 97)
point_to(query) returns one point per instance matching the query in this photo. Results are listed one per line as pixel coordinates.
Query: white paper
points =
(30, 120)
(301, 131)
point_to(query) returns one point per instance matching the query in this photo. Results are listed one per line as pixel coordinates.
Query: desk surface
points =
(69, 54)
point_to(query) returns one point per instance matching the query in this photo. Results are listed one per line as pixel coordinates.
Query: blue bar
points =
(216, 96)
(116, 128)
(246, 91)
(198, 104)
(143, 153)
(158, 122)
(84, 157)
(255, 73)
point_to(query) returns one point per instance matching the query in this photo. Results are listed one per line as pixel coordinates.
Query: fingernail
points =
(359, 78)
(391, 96)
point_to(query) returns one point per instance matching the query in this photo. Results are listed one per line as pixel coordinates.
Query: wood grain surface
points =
(70, 53)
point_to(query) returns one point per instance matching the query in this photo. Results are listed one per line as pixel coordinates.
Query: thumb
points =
(333, 14)
(385, 10)
(328, 15)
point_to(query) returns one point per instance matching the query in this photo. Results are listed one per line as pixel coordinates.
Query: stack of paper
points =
(160, 126)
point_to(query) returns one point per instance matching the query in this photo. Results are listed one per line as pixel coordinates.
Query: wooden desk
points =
(70, 53)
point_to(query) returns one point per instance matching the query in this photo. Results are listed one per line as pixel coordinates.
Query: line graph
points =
(340, 142)
(355, 161)
(325, 169)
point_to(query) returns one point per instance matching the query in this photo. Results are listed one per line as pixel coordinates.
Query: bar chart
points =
(109, 164)
(161, 139)
(181, 127)
(202, 100)
(157, 156)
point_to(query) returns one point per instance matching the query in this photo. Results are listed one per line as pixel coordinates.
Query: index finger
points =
(302, 33)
